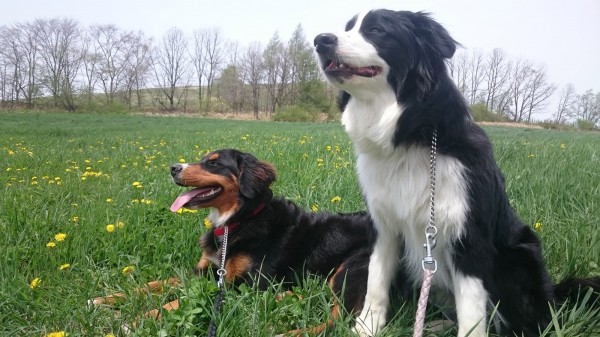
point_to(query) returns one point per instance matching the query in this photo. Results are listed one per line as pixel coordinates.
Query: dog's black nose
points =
(175, 169)
(325, 42)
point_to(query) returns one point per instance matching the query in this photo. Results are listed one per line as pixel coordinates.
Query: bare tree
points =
(529, 90)
(588, 107)
(539, 90)
(566, 104)
(518, 83)
(215, 57)
(476, 73)
(253, 70)
(18, 45)
(496, 78)
(171, 70)
(137, 69)
(198, 58)
(459, 71)
(59, 49)
(113, 46)
(90, 59)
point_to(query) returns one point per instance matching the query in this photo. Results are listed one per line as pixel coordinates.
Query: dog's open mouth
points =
(336, 68)
(196, 197)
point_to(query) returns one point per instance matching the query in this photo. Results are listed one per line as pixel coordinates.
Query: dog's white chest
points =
(397, 191)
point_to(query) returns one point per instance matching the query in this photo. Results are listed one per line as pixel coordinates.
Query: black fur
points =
(497, 246)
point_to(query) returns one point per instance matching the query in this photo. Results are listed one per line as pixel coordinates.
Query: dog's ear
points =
(255, 176)
(434, 36)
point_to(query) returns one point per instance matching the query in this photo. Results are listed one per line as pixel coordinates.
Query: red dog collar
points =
(220, 231)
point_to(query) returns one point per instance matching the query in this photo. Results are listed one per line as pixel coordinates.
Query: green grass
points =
(75, 174)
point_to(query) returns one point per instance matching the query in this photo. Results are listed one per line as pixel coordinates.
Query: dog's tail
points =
(573, 289)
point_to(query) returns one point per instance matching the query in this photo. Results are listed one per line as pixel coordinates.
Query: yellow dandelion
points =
(314, 207)
(563, 146)
(35, 283)
(120, 224)
(181, 160)
(60, 237)
(64, 266)
(110, 228)
(336, 199)
(207, 223)
(109, 335)
(137, 184)
(109, 200)
(537, 226)
(51, 244)
(128, 270)
(57, 334)
(531, 155)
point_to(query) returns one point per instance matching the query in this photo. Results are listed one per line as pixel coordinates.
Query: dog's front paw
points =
(362, 331)
(370, 322)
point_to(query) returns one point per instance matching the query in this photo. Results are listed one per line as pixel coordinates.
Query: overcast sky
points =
(562, 34)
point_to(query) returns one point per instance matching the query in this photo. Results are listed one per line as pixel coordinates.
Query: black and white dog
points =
(396, 91)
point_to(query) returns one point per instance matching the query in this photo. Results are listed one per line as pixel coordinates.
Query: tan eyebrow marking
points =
(213, 156)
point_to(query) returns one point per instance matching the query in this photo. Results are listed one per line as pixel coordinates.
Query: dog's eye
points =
(375, 30)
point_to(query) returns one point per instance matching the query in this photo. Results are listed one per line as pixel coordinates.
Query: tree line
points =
(57, 63)
(519, 90)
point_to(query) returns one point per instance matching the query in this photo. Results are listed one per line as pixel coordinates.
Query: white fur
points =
(395, 181)
(471, 298)
(217, 219)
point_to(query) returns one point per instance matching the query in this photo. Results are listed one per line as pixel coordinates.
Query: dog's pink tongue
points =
(184, 198)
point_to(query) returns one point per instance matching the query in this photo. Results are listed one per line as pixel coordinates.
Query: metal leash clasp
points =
(429, 262)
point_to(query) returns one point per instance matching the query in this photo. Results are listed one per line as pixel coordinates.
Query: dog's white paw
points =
(370, 322)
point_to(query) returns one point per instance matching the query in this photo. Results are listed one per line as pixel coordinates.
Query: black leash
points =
(212, 327)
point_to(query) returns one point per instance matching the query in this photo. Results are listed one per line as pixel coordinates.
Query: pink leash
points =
(422, 305)
(429, 263)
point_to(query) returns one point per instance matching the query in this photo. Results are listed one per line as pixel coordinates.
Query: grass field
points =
(84, 212)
